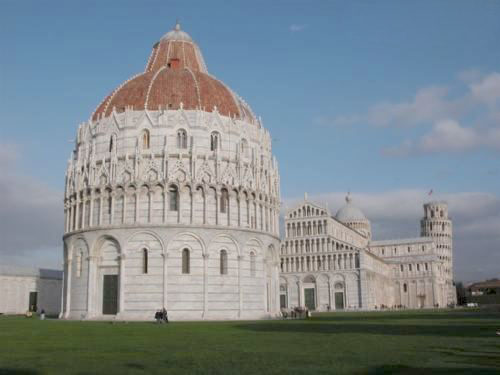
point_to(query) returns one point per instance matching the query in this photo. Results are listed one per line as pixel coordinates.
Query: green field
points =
(415, 342)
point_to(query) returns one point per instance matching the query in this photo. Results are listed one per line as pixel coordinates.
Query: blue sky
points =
(370, 96)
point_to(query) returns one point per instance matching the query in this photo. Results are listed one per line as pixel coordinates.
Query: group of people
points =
(161, 316)
(30, 312)
(296, 313)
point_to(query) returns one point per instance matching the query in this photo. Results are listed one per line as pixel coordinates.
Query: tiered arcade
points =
(172, 199)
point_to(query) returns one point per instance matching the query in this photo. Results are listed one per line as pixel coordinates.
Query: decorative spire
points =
(348, 198)
(177, 25)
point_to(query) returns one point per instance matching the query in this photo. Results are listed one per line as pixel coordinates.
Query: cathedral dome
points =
(349, 212)
(175, 77)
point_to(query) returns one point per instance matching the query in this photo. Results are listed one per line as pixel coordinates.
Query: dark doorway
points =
(283, 301)
(339, 300)
(33, 301)
(110, 295)
(309, 298)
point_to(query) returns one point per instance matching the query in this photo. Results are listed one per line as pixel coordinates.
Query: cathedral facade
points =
(331, 263)
(172, 199)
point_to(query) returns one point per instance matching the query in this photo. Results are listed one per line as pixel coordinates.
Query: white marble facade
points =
(172, 207)
(331, 263)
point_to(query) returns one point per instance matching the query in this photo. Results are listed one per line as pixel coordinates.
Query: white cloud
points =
(450, 137)
(296, 28)
(487, 89)
(31, 215)
(445, 111)
(396, 214)
(428, 104)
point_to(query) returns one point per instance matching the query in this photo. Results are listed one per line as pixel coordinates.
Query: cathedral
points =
(331, 262)
(172, 200)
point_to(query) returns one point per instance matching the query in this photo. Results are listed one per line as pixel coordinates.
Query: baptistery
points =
(172, 199)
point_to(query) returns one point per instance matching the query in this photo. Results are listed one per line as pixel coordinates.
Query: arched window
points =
(145, 139)
(244, 148)
(252, 264)
(173, 195)
(405, 288)
(223, 262)
(401, 268)
(144, 261)
(214, 141)
(181, 138)
(185, 261)
(442, 227)
(409, 267)
(223, 201)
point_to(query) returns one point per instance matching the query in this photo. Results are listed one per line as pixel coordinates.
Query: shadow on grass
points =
(389, 315)
(315, 326)
(401, 369)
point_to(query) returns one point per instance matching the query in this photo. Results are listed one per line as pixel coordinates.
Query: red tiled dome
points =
(175, 74)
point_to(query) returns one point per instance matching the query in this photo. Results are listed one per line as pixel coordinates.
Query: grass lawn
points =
(415, 342)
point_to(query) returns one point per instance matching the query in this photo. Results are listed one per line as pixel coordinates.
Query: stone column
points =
(84, 204)
(150, 206)
(121, 287)
(238, 203)
(165, 278)
(217, 200)
(301, 298)
(266, 294)
(136, 216)
(112, 213)
(101, 209)
(124, 207)
(92, 203)
(191, 207)
(67, 276)
(331, 295)
(240, 290)
(91, 285)
(205, 285)
(77, 212)
(66, 218)
(276, 288)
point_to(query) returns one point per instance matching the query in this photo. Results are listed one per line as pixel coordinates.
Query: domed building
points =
(331, 263)
(354, 218)
(172, 199)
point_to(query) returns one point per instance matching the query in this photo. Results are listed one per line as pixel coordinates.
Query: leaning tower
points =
(437, 224)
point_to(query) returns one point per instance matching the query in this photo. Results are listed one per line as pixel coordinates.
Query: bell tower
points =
(437, 224)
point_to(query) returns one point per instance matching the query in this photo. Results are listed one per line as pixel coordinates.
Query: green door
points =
(309, 298)
(339, 300)
(110, 295)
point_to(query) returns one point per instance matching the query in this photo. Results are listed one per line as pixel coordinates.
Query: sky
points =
(385, 99)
